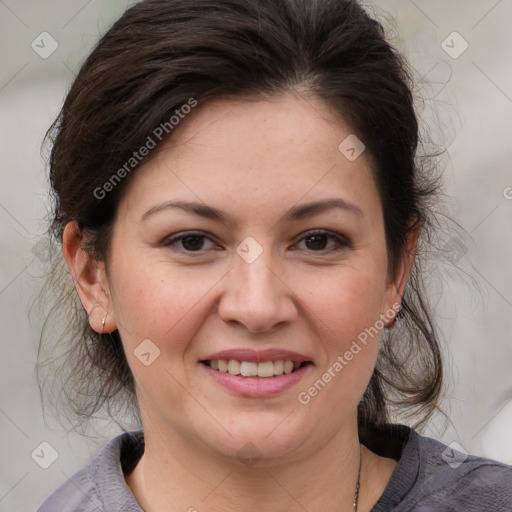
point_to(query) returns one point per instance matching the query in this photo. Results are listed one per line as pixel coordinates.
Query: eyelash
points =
(341, 241)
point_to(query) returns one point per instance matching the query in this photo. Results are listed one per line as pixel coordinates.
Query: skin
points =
(254, 160)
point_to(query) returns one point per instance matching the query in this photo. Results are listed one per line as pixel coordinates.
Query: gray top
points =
(429, 477)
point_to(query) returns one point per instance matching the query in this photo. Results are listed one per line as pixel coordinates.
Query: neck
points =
(180, 473)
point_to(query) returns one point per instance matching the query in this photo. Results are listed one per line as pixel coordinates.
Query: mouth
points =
(265, 369)
(256, 373)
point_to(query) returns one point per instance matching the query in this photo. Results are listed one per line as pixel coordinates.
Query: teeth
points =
(265, 369)
(252, 369)
(248, 369)
(234, 367)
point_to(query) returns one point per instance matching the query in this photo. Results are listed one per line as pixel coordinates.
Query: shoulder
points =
(431, 476)
(468, 482)
(77, 494)
(101, 486)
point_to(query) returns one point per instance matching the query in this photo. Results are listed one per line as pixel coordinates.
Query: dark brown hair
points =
(162, 53)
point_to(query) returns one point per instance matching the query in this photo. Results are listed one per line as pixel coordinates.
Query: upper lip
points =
(258, 356)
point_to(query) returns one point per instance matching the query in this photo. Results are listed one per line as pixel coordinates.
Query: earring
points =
(103, 324)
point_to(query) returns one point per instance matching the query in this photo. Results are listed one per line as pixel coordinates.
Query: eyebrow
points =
(297, 212)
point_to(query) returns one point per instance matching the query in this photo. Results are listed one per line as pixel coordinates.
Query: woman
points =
(240, 208)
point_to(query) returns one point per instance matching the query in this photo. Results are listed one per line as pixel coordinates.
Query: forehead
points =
(289, 125)
(236, 152)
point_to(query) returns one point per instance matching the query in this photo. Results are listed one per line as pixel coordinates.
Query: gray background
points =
(468, 108)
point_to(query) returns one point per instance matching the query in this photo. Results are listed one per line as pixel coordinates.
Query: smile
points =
(265, 369)
(253, 379)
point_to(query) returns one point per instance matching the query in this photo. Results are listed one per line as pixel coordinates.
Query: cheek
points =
(158, 301)
(346, 301)
(345, 309)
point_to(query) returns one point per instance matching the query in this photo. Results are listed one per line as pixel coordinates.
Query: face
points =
(280, 256)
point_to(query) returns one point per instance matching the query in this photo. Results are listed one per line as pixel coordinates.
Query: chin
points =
(257, 440)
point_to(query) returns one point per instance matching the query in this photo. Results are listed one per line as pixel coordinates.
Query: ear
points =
(397, 283)
(90, 280)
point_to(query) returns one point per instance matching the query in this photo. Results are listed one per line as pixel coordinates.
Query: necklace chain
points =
(358, 485)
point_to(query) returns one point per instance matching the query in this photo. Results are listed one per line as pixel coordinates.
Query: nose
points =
(256, 295)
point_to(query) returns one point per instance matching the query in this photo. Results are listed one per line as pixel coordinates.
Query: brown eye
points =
(323, 241)
(316, 242)
(191, 242)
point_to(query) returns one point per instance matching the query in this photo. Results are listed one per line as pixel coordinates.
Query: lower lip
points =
(257, 387)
